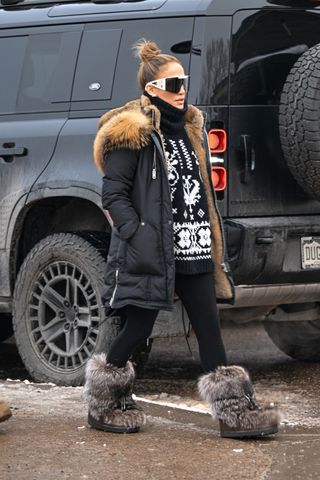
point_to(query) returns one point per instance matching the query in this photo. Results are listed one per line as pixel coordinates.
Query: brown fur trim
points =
(127, 129)
(151, 110)
(195, 132)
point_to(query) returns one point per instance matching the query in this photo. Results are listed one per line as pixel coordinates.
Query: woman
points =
(166, 238)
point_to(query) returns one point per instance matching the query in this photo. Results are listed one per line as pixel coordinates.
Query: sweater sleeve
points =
(116, 188)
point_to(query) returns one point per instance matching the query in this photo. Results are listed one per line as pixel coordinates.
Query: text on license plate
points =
(310, 252)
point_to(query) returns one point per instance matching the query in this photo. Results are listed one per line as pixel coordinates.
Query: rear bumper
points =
(267, 250)
(273, 295)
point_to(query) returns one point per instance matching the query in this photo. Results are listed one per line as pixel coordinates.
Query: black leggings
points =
(197, 295)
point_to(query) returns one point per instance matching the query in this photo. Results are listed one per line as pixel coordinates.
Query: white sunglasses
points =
(171, 84)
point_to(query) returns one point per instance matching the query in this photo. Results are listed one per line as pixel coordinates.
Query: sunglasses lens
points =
(174, 84)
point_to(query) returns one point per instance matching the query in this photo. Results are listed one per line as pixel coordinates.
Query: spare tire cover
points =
(299, 121)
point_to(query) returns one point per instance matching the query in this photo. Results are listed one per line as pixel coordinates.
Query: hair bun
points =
(146, 50)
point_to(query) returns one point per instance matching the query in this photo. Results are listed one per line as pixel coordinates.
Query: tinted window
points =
(118, 67)
(96, 65)
(48, 69)
(210, 61)
(172, 35)
(12, 51)
(265, 44)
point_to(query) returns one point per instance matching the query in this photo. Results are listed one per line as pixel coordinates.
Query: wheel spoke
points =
(75, 294)
(80, 357)
(52, 323)
(76, 338)
(52, 298)
(84, 322)
(68, 342)
(35, 330)
(55, 335)
(84, 311)
(86, 350)
(68, 288)
(51, 356)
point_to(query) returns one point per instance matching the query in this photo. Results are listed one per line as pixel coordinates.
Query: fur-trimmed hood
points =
(130, 127)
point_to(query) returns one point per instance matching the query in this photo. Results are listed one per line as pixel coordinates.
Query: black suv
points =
(255, 71)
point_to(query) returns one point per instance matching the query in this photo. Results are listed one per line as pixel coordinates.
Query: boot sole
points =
(112, 428)
(249, 433)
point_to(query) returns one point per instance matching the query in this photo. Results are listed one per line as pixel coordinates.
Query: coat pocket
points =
(144, 254)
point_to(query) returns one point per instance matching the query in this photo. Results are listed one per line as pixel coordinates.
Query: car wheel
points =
(299, 121)
(298, 339)
(58, 315)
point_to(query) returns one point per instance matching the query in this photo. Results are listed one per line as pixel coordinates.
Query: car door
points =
(265, 44)
(37, 66)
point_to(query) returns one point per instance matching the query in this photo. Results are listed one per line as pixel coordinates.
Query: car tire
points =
(299, 121)
(298, 339)
(58, 315)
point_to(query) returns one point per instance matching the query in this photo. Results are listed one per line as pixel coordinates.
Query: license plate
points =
(310, 252)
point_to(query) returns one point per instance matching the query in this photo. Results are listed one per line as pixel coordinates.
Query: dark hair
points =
(151, 60)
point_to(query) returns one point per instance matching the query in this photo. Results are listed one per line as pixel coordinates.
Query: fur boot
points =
(5, 411)
(231, 397)
(108, 391)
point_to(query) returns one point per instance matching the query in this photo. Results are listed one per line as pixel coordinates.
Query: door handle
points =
(249, 157)
(9, 151)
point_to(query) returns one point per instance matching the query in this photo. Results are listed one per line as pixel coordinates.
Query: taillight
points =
(219, 178)
(217, 140)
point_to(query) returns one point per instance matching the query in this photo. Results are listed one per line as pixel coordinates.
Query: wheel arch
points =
(54, 214)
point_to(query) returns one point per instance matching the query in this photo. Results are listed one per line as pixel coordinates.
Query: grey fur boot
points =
(108, 391)
(231, 397)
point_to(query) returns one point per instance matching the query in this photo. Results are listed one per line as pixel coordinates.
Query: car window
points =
(265, 44)
(96, 64)
(12, 52)
(106, 57)
(47, 73)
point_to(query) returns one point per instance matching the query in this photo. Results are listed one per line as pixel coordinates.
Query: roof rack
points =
(8, 3)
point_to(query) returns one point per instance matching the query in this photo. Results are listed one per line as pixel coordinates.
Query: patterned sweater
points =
(192, 234)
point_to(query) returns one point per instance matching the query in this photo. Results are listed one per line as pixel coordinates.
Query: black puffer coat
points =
(128, 151)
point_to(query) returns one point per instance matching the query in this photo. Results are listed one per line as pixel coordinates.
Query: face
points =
(172, 69)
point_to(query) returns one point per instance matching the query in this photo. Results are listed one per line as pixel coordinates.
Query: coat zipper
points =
(159, 145)
(154, 166)
(117, 274)
(115, 288)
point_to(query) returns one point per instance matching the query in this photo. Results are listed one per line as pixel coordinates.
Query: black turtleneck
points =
(172, 118)
(191, 227)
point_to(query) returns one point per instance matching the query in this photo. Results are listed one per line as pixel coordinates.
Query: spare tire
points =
(299, 121)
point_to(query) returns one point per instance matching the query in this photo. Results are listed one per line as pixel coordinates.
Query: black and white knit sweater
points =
(192, 235)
